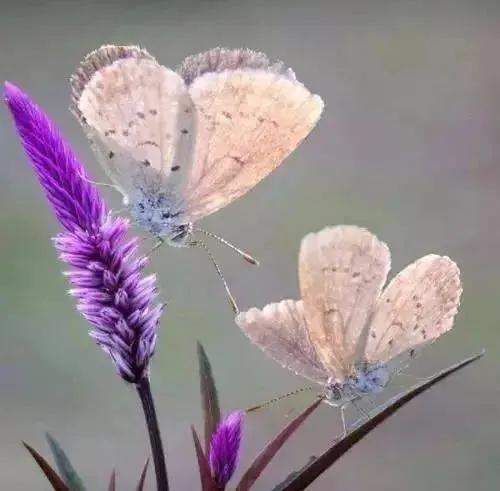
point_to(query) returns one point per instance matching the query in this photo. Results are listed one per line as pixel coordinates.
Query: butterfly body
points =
(364, 381)
(157, 211)
(181, 144)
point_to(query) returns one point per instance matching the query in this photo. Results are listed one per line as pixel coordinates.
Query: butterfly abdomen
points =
(159, 213)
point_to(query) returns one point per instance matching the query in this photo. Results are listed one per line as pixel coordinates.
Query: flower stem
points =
(144, 391)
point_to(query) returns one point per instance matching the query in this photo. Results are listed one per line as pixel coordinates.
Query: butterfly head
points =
(335, 393)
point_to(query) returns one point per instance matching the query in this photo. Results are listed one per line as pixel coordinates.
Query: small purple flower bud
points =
(225, 448)
(106, 270)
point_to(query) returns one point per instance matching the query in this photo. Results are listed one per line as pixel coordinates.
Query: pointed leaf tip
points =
(209, 396)
(112, 482)
(57, 483)
(142, 478)
(271, 449)
(319, 465)
(207, 482)
(66, 469)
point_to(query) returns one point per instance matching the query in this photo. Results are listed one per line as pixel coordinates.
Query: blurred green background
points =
(408, 146)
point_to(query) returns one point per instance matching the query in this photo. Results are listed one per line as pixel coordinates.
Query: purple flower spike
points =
(76, 201)
(225, 448)
(106, 270)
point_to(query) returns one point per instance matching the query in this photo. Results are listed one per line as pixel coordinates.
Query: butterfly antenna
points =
(230, 297)
(274, 400)
(247, 257)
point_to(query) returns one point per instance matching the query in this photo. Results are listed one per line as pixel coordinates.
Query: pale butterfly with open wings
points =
(180, 145)
(347, 333)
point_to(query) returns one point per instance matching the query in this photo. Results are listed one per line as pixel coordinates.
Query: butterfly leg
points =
(342, 416)
(118, 212)
(361, 410)
(413, 377)
(102, 184)
(157, 245)
(230, 297)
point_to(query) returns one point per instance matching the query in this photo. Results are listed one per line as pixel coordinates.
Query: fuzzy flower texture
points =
(105, 267)
(225, 448)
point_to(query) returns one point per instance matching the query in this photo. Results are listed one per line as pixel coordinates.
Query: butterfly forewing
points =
(248, 122)
(279, 330)
(342, 271)
(138, 114)
(418, 306)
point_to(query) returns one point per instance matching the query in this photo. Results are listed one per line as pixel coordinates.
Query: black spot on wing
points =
(148, 142)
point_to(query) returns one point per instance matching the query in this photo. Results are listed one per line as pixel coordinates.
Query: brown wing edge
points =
(95, 61)
(220, 59)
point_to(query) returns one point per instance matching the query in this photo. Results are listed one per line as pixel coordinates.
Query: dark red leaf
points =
(142, 479)
(207, 482)
(272, 448)
(57, 483)
(112, 482)
(319, 465)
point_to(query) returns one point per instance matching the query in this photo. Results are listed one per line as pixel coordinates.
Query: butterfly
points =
(180, 145)
(348, 333)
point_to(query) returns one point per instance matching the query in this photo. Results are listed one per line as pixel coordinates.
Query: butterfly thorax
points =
(365, 380)
(159, 213)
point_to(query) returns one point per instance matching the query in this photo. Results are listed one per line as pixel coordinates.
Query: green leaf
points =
(64, 465)
(142, 479)
(319, 465)
(207, 482)
(112, 482)
(272, 448)
(57, 483)
(209, 397)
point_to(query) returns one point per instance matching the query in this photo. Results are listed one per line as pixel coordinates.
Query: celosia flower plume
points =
(106, 270)
(225, 448)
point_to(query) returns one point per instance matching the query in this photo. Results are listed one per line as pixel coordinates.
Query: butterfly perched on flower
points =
(180, 145)
(348, 333)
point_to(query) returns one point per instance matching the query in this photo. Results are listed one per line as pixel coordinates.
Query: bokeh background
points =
(408, 146)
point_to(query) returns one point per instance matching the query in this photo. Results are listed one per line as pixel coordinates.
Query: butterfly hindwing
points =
(417, 306)
(279, 330)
